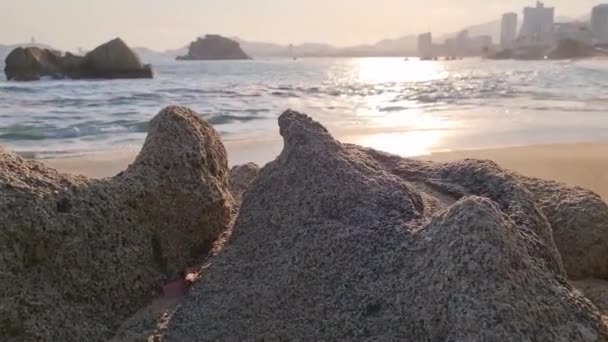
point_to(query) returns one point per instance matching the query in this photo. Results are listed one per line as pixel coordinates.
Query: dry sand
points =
(108, 164)
(584, 164)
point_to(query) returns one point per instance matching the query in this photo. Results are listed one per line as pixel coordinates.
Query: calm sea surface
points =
(405, 107)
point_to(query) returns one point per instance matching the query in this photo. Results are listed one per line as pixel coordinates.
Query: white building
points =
(508, 32)
(599, 23)
(537, 27)
(578, 31)
(425, 45)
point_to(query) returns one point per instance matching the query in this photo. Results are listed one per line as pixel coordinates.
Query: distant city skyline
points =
(161, 25)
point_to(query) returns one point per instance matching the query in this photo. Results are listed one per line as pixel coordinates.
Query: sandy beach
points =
(584, 164)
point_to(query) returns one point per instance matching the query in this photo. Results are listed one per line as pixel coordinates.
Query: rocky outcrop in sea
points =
(80, 255)
(111, 60)
(339, 242)
(214, 47)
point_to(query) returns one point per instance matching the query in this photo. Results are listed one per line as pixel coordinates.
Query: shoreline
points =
(580, 164)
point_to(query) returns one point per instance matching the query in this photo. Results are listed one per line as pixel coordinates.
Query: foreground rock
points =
(338, 242)
(214, 47)
(79, 255)
(597, 291)
(580, 226)
(111, 60)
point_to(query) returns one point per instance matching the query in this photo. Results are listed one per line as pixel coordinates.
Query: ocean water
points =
(404, 107)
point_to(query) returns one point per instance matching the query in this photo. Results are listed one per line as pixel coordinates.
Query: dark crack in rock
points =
(241, 177)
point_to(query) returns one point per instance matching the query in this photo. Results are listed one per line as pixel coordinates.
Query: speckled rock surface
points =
(597, 292)
(338, 242)
(580, 226)
(578, 218)
(241, 177)
(79, 255)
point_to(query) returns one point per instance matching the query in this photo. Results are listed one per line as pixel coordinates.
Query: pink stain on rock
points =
(175, 289)
(179, 287)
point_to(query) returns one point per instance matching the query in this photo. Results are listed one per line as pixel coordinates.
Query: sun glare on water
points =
(396, 124)
(413, 133)
(383, 70)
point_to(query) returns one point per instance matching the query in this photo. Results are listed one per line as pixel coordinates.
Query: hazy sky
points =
(162, 24)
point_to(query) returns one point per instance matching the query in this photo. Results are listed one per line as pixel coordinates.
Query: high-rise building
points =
(425, 45)
(508, 30)
(599, 23)
(537, 28)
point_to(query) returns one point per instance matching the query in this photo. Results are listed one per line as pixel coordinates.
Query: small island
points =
(214, 47)
(111, 60)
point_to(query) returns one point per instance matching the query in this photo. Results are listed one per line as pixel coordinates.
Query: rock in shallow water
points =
(29, 64)
(338, 242)
(214, 47)
(79, 255)
(110, 60)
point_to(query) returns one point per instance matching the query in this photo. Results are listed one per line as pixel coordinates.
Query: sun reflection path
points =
(414, 133)
(389, 70)
(408, 130)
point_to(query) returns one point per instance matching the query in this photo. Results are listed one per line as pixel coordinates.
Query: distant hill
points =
(388, 47)
(401, 46)
(173, 53)
(490, 28)
(149, 56)
(261, 49)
